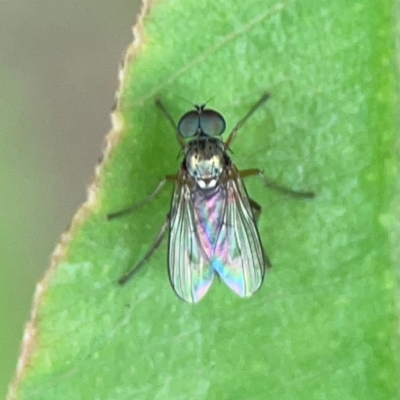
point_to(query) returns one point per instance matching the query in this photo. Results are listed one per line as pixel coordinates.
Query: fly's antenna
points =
(187, 101)
(196, 105)
(211, 98)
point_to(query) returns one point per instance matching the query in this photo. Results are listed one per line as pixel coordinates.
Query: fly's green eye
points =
(212, 123)
(201, 122)
(188, 125)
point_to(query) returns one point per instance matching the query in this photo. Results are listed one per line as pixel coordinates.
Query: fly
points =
(212, 222)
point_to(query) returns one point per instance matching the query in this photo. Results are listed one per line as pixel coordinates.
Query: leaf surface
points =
(324, 323)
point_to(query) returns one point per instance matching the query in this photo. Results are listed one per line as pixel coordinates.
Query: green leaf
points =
(323, 326)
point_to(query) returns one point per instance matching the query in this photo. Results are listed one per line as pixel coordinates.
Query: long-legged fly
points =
(212, 221)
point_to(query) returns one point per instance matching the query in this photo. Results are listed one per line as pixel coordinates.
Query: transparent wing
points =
(189, 268)
(239, 256)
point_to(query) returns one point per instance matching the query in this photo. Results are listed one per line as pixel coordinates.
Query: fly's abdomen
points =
(208, 209)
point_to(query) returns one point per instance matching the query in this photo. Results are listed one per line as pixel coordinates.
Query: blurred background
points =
(58, 75)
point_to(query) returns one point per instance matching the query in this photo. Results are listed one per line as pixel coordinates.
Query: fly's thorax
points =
(205, 161)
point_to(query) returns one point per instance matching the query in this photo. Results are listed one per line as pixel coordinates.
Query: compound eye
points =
(188, 125)
(212, 123)
(200, 121)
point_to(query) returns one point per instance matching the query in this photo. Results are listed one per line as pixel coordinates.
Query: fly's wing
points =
(189, 268)
(239, 256)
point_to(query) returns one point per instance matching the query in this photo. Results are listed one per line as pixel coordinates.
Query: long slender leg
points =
(255, 171)
(256, 208)
(157, 241)
(256, 212)
(133, 207)
(161, 106)
(233, 134)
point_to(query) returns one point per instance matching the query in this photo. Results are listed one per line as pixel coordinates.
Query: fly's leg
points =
(134, 207)
(255, 171)
(160, 105)
(233, 134)
(256, 208)
(157, 241)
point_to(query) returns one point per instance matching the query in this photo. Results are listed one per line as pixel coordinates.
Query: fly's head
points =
(205, 156)
(205, 161)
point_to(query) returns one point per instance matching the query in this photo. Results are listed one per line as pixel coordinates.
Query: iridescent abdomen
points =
(208, 207)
